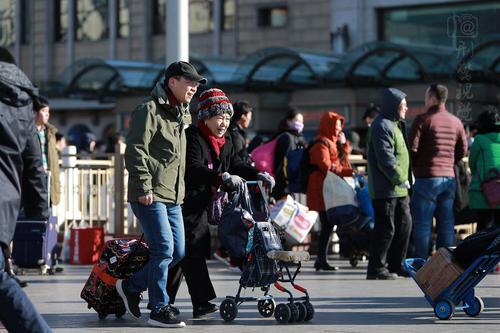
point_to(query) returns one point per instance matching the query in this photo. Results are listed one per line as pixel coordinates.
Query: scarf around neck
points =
(214, 141)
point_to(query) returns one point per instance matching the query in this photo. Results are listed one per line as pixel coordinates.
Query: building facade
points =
(47, 36)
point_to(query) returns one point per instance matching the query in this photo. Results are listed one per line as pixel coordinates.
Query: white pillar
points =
(177, 32)
(217, 17)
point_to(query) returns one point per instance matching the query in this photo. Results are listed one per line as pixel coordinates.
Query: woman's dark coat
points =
(200, 182)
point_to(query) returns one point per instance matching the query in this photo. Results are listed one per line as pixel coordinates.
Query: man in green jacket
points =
(155, 160)
(389, 179)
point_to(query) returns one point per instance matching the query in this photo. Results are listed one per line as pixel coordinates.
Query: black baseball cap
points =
(185, 69)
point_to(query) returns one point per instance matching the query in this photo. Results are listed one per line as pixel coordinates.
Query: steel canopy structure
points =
(279, 68)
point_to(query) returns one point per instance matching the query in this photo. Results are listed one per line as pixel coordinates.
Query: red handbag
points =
(491, 187)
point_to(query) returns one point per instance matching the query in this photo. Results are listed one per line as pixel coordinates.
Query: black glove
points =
(232, 182)
(267, 179)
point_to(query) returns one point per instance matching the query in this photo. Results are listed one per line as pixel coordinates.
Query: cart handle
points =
(409, 265)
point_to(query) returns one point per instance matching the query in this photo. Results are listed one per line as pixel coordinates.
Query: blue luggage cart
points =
(460, 294)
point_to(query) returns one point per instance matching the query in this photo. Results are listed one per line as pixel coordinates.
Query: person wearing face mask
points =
(211, 161)
(289, 138)
(328, 152)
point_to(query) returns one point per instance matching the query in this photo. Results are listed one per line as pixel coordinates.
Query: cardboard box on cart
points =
(438, 273)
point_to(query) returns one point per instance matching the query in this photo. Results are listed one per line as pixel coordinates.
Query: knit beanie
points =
(213, 102)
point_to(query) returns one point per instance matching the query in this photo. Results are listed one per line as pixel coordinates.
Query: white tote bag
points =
(340, 199)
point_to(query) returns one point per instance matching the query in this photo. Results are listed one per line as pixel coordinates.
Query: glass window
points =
(440, 24)
(61, 20)
(123, 19)
(159, 17)
(272, 17)
(91, 20)
(228, 14)
(25, 22)
(200, 16)
(7, 19)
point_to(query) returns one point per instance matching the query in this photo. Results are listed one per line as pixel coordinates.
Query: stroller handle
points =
(409, 265)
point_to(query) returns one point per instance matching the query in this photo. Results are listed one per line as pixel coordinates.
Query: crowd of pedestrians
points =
(176, 165)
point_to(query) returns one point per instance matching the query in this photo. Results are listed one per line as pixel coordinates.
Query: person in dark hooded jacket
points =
(22, 178)
(389, 184)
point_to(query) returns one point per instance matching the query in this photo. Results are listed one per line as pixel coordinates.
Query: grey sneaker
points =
(165, 317)
(131, 300)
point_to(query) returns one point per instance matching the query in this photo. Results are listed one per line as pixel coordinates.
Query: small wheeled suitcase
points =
(120, 259)
(34, 243)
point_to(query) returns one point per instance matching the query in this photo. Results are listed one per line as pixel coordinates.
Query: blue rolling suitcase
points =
(34, 244)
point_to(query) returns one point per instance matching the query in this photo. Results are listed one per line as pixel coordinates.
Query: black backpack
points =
(298, 167)
(476, 245)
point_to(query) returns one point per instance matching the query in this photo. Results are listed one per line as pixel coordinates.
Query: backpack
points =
(298, 167)
(263, 156)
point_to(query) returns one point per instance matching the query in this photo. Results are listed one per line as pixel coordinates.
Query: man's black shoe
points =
(165, 317)
(203, 309)
(174, 309)
(381, 276)
(131, 300)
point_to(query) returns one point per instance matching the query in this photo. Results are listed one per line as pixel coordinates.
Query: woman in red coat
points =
(329, 152)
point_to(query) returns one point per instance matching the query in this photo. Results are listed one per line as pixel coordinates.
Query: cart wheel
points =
(475, 308)
(228, 309)
(444, 309)
(102, 316)
(120, 314)
(353, 262)
(302, 312)
(309, 310)
(89, 306)
(266, 307)
(282, 313)
(294, 313)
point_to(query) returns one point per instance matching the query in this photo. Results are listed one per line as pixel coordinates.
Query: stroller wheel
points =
(282, 313)
(475, 308)
(102, 316)
(302, 312)
(228, 309)
(294, 313)
(266, 307)
(309, 310)
(444, 309)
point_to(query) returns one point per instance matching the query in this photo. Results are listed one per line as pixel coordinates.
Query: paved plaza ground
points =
(344, 302)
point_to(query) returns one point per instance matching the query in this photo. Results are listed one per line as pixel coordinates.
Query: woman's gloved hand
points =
(267, 179)
(232, 182)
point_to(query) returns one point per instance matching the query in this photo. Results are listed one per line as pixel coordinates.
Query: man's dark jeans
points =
(17, 313)
(391, 234)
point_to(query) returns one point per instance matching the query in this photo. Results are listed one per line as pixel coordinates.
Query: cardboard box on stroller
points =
(438, 273)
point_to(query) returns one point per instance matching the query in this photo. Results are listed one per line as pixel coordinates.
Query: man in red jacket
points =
(437, 142)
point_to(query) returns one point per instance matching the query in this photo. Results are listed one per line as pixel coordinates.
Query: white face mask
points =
(297, 125)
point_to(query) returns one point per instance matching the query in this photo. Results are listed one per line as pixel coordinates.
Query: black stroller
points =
(265, 263)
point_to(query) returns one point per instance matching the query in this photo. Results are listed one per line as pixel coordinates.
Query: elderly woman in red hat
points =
(210, 154)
